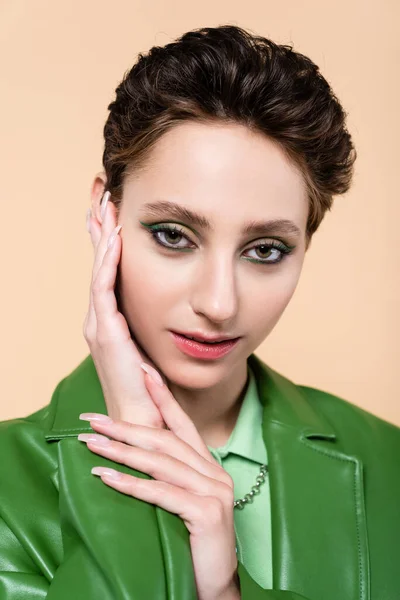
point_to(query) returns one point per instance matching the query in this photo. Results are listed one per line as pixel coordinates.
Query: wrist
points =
(232, 594)
(233, 591)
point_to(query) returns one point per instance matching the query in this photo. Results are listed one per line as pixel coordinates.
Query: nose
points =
(214, 292)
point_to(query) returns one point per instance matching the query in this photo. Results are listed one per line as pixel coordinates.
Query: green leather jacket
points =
(335, 500)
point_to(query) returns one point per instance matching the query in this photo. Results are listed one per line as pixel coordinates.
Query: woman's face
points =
(211, 281)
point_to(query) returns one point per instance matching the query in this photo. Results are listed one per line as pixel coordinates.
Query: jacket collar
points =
(246, 439)
(78, 392)
(81, 392)
(284, 402)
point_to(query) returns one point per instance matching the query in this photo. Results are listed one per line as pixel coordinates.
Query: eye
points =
(266, 249)
(172, 235)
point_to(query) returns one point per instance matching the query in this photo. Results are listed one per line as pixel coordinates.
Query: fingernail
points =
(113, 236)
(88, 216)
(95, 417)
(101, 440)
(106, 471)
(104, 202)
(153, 373)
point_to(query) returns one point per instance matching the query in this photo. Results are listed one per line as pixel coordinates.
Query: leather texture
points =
(335, 505)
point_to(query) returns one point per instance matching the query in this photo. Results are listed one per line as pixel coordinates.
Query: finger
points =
(95, 229)
(161, 441)
(109, 320)
(102, 231)
(190, 507)
(159, 466)
(100, 235)
(175, 417)
(89, 325)
(95, 224)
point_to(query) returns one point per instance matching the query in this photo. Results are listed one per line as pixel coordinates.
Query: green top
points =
(241, 457)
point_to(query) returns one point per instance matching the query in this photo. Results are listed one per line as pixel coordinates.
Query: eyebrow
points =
(167, 209)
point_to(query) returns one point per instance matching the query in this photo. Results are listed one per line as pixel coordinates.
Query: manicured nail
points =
(106, 471)
(101, 440)
(153, 373)
(95, 417)
(88, 216)
(104, 202)
(113, 236)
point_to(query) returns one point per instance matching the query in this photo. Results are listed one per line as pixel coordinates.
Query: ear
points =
(97, 191)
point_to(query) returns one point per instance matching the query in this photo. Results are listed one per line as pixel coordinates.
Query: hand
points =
(115, 355)
(188, 481)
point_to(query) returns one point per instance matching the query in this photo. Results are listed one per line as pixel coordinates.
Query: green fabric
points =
(334, 490)
(241, 457)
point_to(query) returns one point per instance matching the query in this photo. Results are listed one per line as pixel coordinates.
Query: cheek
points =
(269, 301)
(146, 290)
(151, 290)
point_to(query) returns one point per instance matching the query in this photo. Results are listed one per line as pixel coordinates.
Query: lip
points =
(203, 350)
(205, 338)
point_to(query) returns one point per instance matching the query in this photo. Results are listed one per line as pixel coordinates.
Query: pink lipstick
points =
(202, 349)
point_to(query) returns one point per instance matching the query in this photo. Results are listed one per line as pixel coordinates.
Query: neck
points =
(214, 411)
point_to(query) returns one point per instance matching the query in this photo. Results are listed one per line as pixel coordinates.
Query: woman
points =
(223, 479)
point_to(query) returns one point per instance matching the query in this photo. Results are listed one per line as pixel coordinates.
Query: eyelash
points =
(154, 230)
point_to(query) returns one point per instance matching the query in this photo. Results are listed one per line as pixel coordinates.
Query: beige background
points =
(60, 64)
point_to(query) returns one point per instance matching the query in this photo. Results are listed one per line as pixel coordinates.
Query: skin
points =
(187, 481)
(230, 175)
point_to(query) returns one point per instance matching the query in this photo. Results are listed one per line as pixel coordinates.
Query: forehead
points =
(222, 169)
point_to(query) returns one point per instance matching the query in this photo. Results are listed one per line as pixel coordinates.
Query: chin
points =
(191, 381)
(189, 373)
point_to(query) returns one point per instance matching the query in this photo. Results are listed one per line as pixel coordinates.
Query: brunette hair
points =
(228, 75)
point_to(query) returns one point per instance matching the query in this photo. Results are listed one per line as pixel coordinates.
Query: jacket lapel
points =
(317, 501)
(319, 535)
(121, 546)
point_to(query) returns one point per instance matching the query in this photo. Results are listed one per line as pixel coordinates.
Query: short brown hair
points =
(226, 74)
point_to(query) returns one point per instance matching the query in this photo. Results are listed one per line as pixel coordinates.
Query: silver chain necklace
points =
(240, 504)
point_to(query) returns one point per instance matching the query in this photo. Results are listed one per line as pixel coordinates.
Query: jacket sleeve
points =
(18, 578)
(251, 590)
